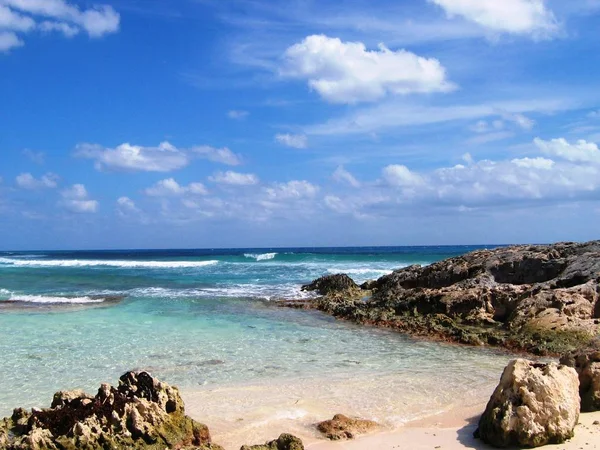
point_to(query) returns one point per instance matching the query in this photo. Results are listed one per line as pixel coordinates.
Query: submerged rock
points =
(284, 442)
(141, 413)
(543, 299)
(342, 427)
(534, 405)
(587, 364)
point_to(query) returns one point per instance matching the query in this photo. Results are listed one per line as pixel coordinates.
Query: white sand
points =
(238, 415)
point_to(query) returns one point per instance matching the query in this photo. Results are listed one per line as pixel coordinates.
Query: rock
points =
(587, 364)
(534, 405)
(332, 284)
(543, 299)
(141, 413)
(342, 427)
(284, 442)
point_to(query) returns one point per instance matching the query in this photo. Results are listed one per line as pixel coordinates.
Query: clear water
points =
(204, 320)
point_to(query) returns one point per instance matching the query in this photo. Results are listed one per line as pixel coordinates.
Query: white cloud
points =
(401, 176)
(521, 120)
(170, 187)
(295, 189)
(62, 27)
(341, 175)
(96, 21)
(582, 151)
(292, 140)
(237, 114)
(9, 40)
(28, 181)
(504, 16)
(25, 16)
(76, 199)
(163, 158)
(218, 155)
(234, 178)
(394, 114)
(11, 20)
(534, 163)
(346, 72)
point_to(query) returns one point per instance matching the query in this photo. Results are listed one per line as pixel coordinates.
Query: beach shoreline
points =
(448, 430)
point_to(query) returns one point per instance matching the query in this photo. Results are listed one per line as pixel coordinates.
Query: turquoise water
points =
(203, 318)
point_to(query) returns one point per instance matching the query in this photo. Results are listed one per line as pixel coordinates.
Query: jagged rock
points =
(543, 299)
(332, 284)
(284, 442)
(342, 427)
(141, 413)
(587, 364)
(534, 404)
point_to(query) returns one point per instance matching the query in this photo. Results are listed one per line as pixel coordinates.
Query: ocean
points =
(204, 320)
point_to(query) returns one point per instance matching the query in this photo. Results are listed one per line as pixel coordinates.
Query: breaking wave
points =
(107, 263)
(261, 256)
(53, 300)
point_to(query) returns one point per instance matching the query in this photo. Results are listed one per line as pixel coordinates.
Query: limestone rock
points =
(342, 427)
(587, 364)
(534, 405)
(141, 413)
(284, 442)
(332, 284)
(544, 299)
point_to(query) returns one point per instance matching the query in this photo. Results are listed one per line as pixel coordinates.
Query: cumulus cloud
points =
(25, 16)
(399, 175)
(341, 175)
(292, 140)
(295, 189)
(581, 151)
(76, 199)
(170, 187)
(347, 72)
(218, 155)
(9, 40)
(505, 16)
(237, 114)
(234, 178)
(163, 158)
(28, 181)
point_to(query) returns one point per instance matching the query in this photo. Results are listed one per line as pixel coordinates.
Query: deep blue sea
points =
(204, 319)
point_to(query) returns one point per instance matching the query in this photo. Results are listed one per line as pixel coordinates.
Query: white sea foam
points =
(107, 263)
(379, 272)
(5, 293)
(260, 257)
(53, 300)
(255, 291)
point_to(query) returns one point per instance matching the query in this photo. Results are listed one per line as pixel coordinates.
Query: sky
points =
(266, 123)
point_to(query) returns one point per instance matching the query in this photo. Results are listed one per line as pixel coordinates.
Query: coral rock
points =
(141, 413)
(342, 427)
(534, 405)
(284, 442)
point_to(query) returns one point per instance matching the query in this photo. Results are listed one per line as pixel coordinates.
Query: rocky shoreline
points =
(541, 299)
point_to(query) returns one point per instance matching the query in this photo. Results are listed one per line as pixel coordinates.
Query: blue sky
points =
(254, 123)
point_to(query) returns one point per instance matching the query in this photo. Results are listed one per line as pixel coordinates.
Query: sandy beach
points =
(450, 430)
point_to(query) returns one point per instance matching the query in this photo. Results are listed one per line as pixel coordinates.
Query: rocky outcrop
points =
(334, 285)
(540, 299)
(141, 413)
(534, 405)
(342, 427)
(587, 364)
(284, 442)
